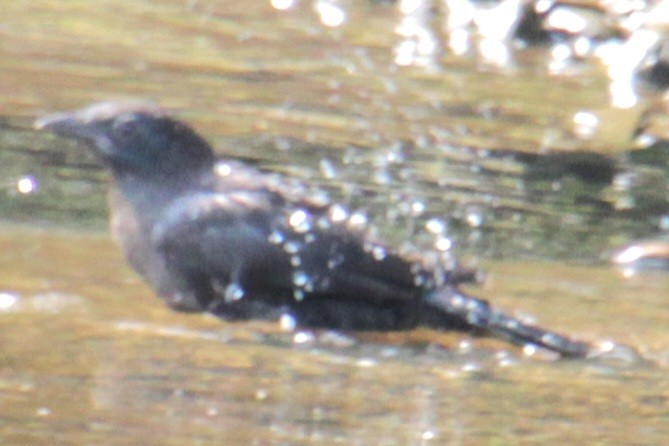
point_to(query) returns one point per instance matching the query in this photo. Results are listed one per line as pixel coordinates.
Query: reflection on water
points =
(419, 46)
(524, 136)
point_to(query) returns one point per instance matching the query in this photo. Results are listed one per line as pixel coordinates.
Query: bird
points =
(218, 235)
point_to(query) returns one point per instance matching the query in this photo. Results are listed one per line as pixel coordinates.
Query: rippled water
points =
(519, 159)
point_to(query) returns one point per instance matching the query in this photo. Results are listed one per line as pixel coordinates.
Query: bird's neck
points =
(150, 196)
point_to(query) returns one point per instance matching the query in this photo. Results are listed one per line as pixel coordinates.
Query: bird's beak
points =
(77, 125)
(68, 125)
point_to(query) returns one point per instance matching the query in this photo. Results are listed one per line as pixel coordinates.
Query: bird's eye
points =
(124, 128)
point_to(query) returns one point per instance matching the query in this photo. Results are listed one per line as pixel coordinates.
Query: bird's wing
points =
(327, 248)
(296, 248)
(222, 239)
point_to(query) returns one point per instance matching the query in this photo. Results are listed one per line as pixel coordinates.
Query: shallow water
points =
(89, 356)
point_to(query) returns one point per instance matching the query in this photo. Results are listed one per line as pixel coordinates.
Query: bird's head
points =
(134, 138)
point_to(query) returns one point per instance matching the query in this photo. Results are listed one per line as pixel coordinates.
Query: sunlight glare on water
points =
(419, 46)
(585, 124)
(282, 4)
(27, 185)
(331, 13)
(7, 301)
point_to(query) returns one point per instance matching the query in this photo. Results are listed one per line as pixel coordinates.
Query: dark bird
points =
(221, 236)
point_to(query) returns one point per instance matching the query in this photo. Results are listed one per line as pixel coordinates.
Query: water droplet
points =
(566, 19)
(300, 278)
(582, 46)
(291, 247)
(435, 226)
(327, 168)
(607, 346)
(474, 217)
(338, 213)
(303, 337)
(473, 305)
(561, 55)
(275, 238)
(417, 208)
(379, 253)
(358, 219)
(223, 169)
(443, 244)
(298, 295)
(419, 280)
(287, 322)
(512, 324)
(299, 220)
(549, 339)
(295, 260)
(529, 349)
(233, 292)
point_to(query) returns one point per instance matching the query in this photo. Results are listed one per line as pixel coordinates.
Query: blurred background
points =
(527, 139)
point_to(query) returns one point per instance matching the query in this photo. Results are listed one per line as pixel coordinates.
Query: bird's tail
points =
(476, 314)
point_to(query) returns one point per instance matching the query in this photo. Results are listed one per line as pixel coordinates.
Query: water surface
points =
(387, 115)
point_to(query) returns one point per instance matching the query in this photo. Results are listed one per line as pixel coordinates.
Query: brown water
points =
(89, 356)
